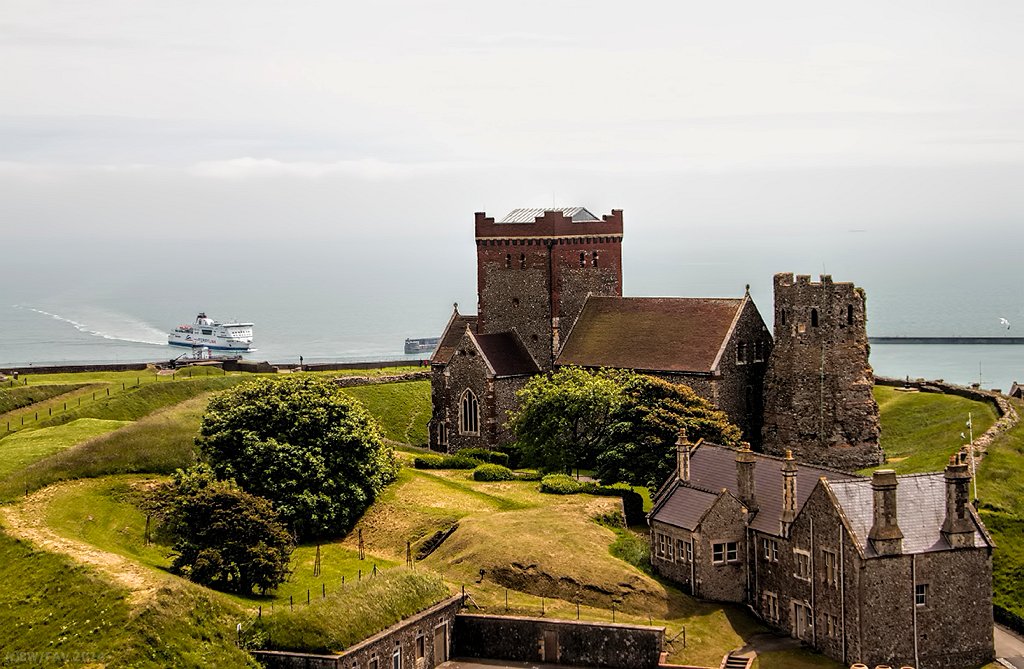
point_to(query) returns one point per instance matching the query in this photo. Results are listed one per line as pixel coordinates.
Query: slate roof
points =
(451, 337)
(506, 354)
(713, 467)
(529, 215)
(685, 507)
(920, 511)
(668, 334)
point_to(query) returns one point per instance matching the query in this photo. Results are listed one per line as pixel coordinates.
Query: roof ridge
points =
(779, 458)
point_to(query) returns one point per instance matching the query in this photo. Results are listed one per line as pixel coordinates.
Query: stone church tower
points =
(535, 268)
(818, 399)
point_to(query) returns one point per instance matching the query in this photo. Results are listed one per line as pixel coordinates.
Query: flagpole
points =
(970, 451)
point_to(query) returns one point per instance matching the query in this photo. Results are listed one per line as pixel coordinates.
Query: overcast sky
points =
(142, 120)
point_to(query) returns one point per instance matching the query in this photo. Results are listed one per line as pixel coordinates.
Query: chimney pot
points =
(885, 534)
(958, 527)
(683, 446)
(745, 463)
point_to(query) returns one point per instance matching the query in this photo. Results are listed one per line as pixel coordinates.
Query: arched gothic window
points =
(469, 414)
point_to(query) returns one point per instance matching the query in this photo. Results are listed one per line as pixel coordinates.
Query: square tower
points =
(818, 386)
(535, 268)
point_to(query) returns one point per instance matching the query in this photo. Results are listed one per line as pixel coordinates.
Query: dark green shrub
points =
(560, 484)
(489, 472)
(444, 462)
(427, 462)
(485, 455)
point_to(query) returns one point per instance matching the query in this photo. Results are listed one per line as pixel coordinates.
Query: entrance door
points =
(550, 646)
(440, 644)
(802, 620)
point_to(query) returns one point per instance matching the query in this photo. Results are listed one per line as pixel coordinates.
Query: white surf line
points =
(82, 327)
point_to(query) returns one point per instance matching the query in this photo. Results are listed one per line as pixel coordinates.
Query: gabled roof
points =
(666, 334)
(685, 507)
(505, 354)
(529, 215)
(920, 511)
(713, 467)
(453, 332)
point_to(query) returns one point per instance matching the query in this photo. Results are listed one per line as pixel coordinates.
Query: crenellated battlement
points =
(548, 224)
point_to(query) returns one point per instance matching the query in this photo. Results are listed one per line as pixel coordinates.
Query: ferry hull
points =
(212, 347)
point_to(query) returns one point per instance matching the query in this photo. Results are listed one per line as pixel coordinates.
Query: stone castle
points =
(549, 286)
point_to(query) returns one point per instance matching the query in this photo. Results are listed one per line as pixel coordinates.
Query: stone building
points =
(818, 387)
(847, 564)
(716, 346)
(549, 285)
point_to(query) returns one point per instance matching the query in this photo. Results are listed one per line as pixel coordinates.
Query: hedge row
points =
(489, 472)
(485, 455)
(444, 462)
(563, 484)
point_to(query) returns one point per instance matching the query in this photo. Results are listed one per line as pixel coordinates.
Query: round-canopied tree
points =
(640, 446)
(223, 537)
(312, 450)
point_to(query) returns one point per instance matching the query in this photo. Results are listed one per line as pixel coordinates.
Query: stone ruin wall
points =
(818, 386)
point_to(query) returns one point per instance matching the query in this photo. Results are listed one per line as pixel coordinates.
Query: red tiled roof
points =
(506, 354)
(670, 334)
(451, 337)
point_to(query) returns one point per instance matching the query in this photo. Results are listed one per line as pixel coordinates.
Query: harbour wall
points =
(977, 341)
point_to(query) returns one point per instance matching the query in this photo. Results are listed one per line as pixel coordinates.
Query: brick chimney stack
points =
(683, 456)
(958, 528)
(885, 535)
(788, 493)
(745, 461)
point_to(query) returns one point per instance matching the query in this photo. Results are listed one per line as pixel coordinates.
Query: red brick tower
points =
(535, 268)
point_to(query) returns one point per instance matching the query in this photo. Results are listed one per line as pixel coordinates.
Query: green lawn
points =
(402, 409)
(158, 443)
(16, 397)
(921, 430)
(23, 448)
(54, 613)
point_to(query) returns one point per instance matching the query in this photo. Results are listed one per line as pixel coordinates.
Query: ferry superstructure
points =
(213, 335)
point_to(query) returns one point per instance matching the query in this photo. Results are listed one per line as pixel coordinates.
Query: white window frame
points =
(729, 551)
(468, 422)
(801, 557)
(921, 594)
(829, 567)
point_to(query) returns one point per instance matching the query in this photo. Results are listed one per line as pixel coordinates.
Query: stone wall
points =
(740, 386)
(71, 369)
(566, 642)
(352, 381)
(467, 371)
(423, 641)
(818, 399)
(723, 523)
(676, 567)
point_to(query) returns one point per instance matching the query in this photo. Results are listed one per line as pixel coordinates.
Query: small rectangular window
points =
(802, 564)
(420, 648)
(921, 594)
(732, 552)
(718, 553)
(830, 574)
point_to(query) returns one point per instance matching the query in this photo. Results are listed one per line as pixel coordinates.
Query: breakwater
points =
(983, 341)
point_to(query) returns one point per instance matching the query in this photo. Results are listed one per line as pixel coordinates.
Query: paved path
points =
(1009, 646)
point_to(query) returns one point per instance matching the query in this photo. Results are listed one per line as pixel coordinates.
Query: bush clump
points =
(560, 484)
(444, 462)
(489, 472)
(485, 455)
(563, 484)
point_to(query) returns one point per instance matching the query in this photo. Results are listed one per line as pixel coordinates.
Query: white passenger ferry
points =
(213, 335)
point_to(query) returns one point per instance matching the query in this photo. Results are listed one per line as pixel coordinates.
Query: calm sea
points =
(336, 300)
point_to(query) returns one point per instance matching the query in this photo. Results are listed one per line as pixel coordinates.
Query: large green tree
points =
(564, 417)
(640, 445)
(223, 537)
(622, 424)
(312, 450)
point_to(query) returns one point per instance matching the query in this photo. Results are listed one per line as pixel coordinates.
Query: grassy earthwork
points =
(514, 547)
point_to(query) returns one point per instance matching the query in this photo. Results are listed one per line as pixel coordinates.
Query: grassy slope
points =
(1002, 508)
(402, 409)
(158, 443)
(16, 397)
(921, 430)
(54, 613)
(23, 448)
